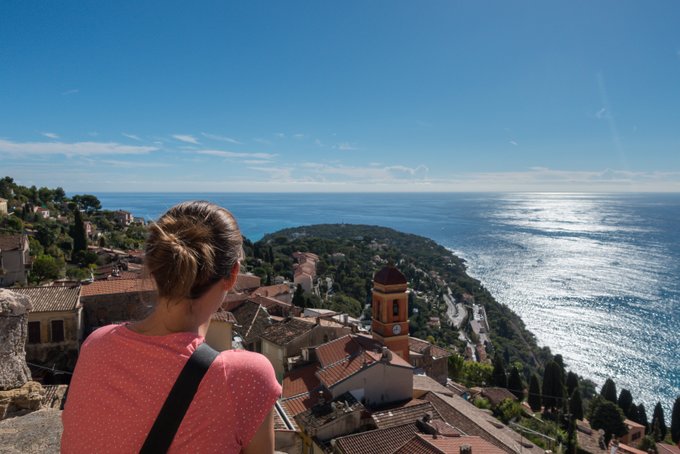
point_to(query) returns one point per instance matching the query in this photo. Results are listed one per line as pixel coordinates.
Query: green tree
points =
(647, 443)
(675, 421)
(625, 401)
(78, 233)
(476, 374)
(608, 391)
(45, 267)
(576, 404)
(455, 365)
(299, 296)
(12, 224)
(46, 234)
(608, 416)
(498, 377)
(534, 397)
(515, 385)
(87, 202)
(553, 386)
(572, 382)
(509, 410)
(642, 418)
(659, 428)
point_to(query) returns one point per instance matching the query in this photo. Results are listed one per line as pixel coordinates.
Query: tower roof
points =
(389, 275)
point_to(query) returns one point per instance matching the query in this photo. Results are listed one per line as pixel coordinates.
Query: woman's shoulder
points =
(244, 359)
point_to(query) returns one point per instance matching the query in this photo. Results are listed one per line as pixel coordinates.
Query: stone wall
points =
(14, 372)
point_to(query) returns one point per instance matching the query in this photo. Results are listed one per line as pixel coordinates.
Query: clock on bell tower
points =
(390, 310)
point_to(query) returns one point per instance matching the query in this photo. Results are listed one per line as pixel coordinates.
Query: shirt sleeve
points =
(255, 390)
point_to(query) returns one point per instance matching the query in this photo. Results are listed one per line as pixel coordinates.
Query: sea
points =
(596, 277)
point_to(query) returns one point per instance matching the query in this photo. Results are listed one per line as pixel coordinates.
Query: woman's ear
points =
(229, 283)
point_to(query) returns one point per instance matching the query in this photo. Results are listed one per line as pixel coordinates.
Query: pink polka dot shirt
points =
(122, 379)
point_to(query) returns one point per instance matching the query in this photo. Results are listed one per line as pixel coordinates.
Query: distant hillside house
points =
(280, 292)
(123, 217)
(55, 327)
(42, 212)
(15, 259)
(3, 206)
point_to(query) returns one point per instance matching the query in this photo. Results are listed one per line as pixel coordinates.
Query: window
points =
(395, 307)
(57, 330)
(33, 332)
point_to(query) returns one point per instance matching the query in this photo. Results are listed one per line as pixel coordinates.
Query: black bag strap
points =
(177, 403)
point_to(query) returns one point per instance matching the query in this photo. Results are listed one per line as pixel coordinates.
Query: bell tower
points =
(390, 310)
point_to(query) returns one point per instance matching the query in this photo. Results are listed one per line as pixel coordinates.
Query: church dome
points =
(389, 275)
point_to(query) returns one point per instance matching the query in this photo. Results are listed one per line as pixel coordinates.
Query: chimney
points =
(466, 449)
(322, 399)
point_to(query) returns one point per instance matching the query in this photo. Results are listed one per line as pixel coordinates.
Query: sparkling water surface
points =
(596, 277)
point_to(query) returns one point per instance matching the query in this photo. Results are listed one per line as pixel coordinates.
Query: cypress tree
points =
(515, 384)
(553, 386)
(78, 234)
(642, 417)
(634, 414)
(299, 297)
(608, 417)
(625, 402)
(572, 382)
(498, 376)
(576, 405)
(534, 397)
(659, 423)
(675, 421)
(608, 390)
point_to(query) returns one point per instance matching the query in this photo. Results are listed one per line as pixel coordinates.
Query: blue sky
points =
(341, 96)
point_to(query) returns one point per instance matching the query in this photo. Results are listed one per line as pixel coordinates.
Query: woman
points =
(125, 372)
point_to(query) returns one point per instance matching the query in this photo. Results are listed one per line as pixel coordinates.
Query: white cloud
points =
(50, 135)
(602, 113)
(262, 141)
(220, 138)
(185, 138)
(73, 91)
(71, 149)
(131, 136)
(132, 164)
(318, 143)
(280, 135)
(345, 146)
(257, 161)
(512, 142)
(298, 136)
(233, 154)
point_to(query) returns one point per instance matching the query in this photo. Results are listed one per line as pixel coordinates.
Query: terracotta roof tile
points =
(272, 290)
(300, 380)
(343, 347)
(379, 441)
(112, 287)
(223, 316)
(389, 275)
(287, 331)
(12, 242)
(453, 444)
(269, 302)
(403, 415)
(417, 445)
(425, 383)
(471, 420)
(296, 405)
(424, 347)
(252, 320)
(497, 395)
(51, 299)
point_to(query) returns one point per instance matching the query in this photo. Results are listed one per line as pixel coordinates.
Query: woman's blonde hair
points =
(190, 248)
